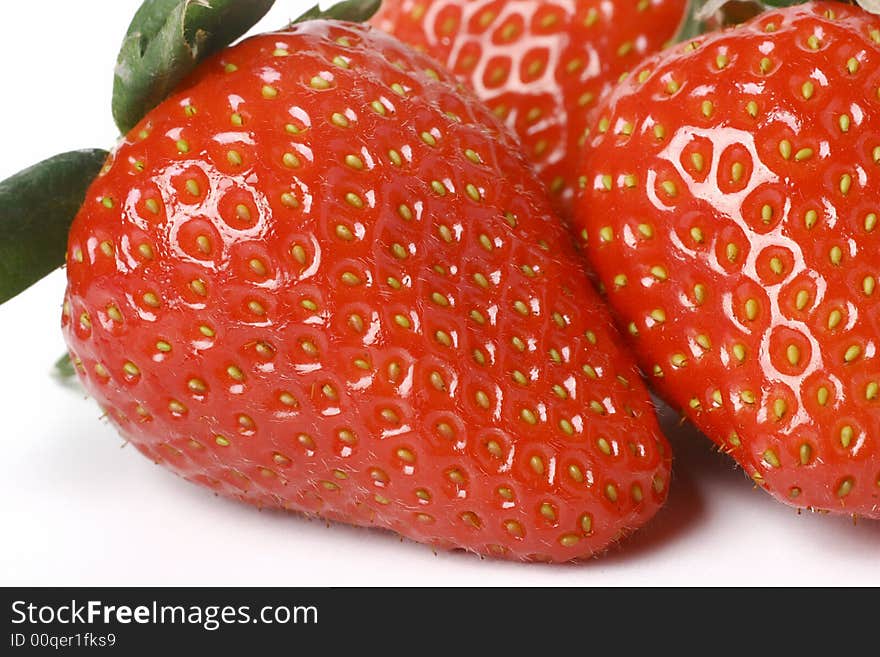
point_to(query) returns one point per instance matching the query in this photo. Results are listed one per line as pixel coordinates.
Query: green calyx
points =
(355, 11)
(64, 368)
(870, 6)
(37, 206)
(704, 16)
(166, 41)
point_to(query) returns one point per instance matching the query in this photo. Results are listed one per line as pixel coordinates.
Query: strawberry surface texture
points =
(730, 202)
(321, 278)
(541, 65)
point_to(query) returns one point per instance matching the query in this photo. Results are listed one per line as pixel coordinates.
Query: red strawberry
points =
(730, 201)
(542, 65)
(319, 278)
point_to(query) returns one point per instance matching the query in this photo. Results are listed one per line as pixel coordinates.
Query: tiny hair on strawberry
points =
(317, 274)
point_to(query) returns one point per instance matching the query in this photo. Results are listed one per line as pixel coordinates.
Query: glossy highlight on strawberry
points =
(540, 65)
(730, 202)
(320, 278)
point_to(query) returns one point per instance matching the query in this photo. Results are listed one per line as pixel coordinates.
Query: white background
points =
(79, 509)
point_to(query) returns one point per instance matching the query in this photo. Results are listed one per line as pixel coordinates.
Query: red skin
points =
(592, 42)
(796, 448)
(364, 385)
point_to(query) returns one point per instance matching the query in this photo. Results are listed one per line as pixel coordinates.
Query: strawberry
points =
(320, 278)
(730, 202)
(540, 65)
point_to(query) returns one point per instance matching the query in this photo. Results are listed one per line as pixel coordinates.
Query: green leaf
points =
(691, 26)
(705, 16)
(782, 3)
(64, 368)
(165, 42)
(356, 11)
(37, 206)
